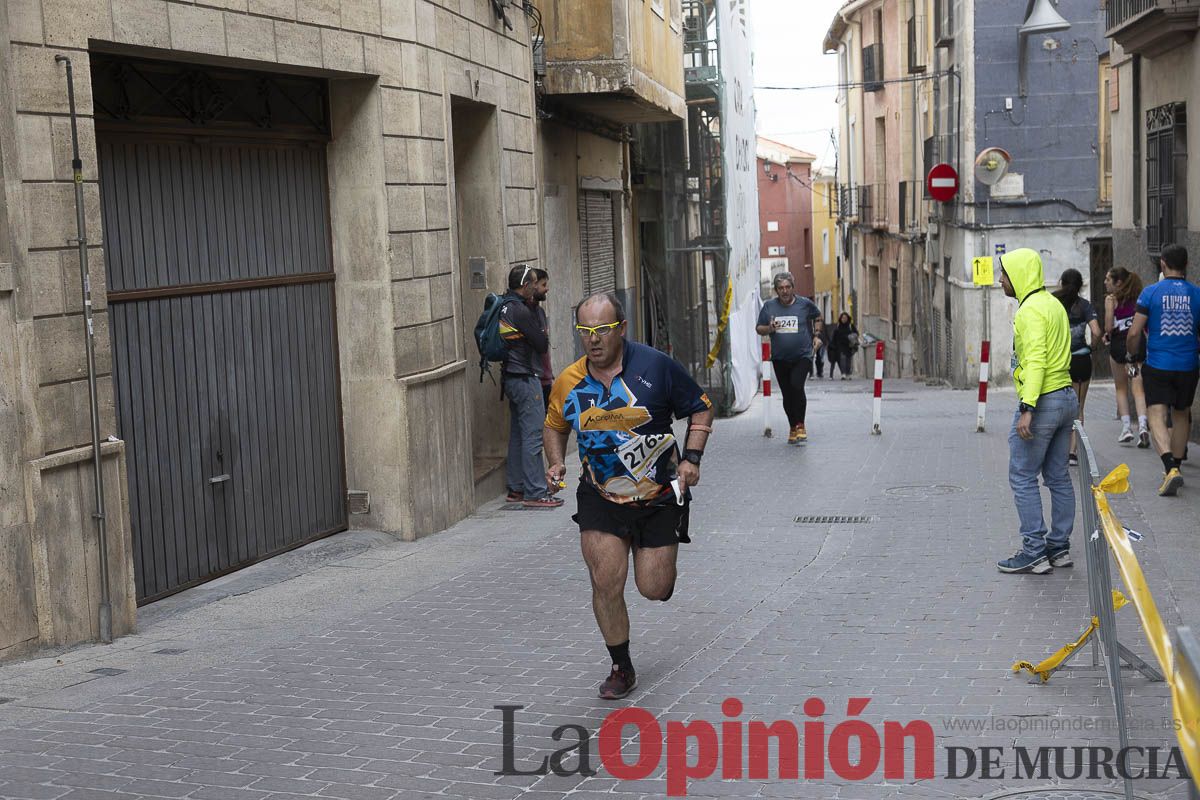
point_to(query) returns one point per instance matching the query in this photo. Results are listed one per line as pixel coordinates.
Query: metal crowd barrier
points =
(1106, 647)
(1100, 586)
(1179, 659)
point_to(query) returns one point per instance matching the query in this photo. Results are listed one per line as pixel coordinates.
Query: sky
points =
(788, 36)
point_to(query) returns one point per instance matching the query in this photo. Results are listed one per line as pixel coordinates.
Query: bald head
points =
(600, 308)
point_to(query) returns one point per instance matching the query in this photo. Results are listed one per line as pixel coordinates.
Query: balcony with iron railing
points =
(865, 205)
(849, 202)
(877, 206)
(701, 49)
(1152, 27)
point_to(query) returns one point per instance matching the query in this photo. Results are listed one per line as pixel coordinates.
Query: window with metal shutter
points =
(597, 241)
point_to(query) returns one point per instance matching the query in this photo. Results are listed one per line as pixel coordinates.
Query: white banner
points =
(741, 195)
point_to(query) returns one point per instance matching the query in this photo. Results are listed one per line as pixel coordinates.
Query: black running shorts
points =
(1081, 368)
(1169, 388)
(1116, 349)
(641, 526)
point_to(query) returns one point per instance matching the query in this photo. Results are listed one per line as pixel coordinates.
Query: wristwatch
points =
(1025, 407)
(693, 456)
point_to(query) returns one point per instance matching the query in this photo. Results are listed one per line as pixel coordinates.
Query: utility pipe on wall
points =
(105, 610)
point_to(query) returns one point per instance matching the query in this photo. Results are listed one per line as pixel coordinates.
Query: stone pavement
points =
(369, 668)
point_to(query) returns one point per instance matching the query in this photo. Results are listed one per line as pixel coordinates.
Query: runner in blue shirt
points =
(620, 400)
(1168, 312)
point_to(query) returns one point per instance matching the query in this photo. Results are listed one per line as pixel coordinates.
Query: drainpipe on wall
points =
(105, 609)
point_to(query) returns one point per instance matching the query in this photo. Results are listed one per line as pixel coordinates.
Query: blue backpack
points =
(487, 334)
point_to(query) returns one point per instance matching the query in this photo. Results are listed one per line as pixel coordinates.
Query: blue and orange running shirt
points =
(628, 451)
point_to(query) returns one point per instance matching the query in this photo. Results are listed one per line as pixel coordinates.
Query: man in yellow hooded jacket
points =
(1040, 438)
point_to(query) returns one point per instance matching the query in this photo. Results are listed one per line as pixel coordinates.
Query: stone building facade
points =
(1146, 92)
(928, 82)
(294, 211)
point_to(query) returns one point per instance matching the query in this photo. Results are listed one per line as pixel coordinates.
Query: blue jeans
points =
(527, 415)
(1045, 453)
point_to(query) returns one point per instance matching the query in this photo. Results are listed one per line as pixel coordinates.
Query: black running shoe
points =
(620, 683)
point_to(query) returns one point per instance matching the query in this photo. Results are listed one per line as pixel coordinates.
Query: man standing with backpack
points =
(526, 341)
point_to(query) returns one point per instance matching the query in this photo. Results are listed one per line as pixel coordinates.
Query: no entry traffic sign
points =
(942, 183)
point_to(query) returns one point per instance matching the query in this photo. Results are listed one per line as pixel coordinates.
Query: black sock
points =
(620, 655)
(1169, 462)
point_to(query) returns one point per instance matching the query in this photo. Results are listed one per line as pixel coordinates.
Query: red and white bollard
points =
(766, 388)
(878, 402)
(985, 353)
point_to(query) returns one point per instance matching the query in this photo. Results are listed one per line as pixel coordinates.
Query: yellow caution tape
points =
(722, 324)
(1047, 667)
(1116, 482)
(1185, 696)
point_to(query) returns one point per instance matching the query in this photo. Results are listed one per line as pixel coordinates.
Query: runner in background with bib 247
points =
(795, 327)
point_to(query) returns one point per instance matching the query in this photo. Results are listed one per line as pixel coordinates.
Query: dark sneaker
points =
(1060, 557)
(1022, 562)
(543, 502)
(514, 496)
(620, 683)
(1171, 483)
(1072, 460)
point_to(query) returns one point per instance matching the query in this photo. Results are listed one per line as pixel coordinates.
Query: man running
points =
(620, 399)
(795, 327)
(1169, 313)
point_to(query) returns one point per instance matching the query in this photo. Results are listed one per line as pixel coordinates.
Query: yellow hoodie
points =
(1041, 331)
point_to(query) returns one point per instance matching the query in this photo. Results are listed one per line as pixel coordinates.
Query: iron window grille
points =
(142, 93)
(1166, 175)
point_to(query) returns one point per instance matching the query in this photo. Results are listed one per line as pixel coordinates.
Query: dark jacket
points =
(523, 333)
(839, 342)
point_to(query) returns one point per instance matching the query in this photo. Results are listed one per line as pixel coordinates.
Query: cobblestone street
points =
(375, 668)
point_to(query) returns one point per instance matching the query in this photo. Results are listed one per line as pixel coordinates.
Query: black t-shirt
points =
(522, 331)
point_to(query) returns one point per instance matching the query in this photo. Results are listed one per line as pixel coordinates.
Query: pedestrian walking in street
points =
(843, 343)
(1168, 314)
(633, 494)
(525, 336)
(1041, 430)
(819, 354)
(795, 327)
(1084, 321)
(1120, 304)
(545, 369)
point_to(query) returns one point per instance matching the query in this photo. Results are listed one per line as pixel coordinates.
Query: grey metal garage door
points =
(597, 241)
(225, 365)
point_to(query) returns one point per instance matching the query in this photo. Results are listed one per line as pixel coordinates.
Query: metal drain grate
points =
(107, 672)
(170, 651)
(834, 519)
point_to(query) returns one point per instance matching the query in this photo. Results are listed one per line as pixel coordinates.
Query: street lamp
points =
(1040, 17)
